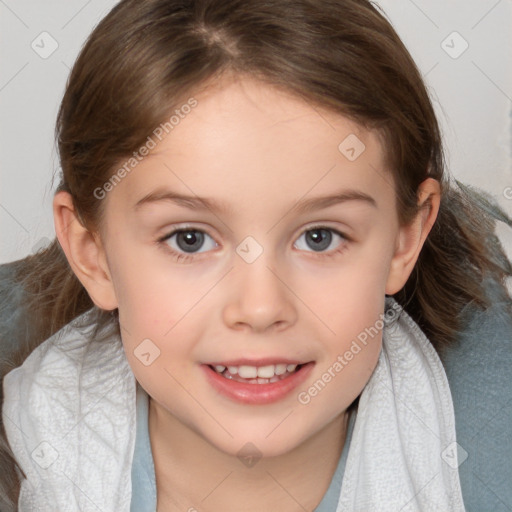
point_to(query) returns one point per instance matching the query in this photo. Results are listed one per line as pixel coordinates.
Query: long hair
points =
(146, 57)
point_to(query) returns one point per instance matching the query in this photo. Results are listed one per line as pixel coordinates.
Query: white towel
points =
(403, 455)
(70, 417)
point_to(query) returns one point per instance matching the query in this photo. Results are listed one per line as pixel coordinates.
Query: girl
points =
(253, 223)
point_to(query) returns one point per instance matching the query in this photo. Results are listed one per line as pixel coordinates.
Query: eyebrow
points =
(203, 203)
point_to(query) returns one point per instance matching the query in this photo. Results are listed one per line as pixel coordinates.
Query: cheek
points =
(153, 293)
(349, 301)
(341, 376)
(349, 295)
(161, 313)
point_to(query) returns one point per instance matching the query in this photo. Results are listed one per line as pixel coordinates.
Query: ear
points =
(411, 237)
(84, 252)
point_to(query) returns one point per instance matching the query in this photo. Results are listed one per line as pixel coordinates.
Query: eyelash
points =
(187, 257)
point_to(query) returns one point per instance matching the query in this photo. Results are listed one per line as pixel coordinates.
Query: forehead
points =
(245, 140)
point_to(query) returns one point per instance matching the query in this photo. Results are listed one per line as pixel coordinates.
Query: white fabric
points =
(402, 454)
(79, 397)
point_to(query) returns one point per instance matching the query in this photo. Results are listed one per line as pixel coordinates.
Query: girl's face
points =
(269, 271)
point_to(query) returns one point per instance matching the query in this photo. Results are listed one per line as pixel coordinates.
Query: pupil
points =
(321, 238)
(191, 240)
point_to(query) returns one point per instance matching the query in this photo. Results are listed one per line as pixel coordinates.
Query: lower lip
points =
(257, 393)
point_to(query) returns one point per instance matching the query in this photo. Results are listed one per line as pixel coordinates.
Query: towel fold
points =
(69, 415)
(403, 454)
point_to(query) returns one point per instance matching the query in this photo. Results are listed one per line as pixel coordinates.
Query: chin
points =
(262, 441)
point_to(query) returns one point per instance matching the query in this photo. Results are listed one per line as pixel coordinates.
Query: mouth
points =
(249, 374)
(262, 384)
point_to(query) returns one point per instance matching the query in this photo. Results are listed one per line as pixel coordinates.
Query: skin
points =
(259, 150)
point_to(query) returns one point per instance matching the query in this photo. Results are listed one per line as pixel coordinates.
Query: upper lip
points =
(266, 361)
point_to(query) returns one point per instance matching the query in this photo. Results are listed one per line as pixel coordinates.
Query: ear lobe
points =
(84, 252)
(411, 238)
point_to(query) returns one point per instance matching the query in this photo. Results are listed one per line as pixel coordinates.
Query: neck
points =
(191, 474)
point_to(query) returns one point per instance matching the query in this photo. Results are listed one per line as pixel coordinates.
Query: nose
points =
(259, 298)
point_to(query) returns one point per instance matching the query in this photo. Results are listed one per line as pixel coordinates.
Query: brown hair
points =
(146, 56)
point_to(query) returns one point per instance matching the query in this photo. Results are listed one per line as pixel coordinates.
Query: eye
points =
(319, 238)
(184, 243)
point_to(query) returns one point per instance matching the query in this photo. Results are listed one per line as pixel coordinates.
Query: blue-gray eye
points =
(188, 240)
(320, 238)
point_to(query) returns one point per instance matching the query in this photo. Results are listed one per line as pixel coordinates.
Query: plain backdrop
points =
(462, 47)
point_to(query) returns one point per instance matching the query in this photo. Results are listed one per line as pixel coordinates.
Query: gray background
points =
(471, 90)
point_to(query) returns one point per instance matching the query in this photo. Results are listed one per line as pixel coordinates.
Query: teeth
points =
(263, 373)
(280, 369)
(248, 372)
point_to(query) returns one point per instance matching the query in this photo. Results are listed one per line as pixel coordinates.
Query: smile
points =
(257, 384)
(257, 375)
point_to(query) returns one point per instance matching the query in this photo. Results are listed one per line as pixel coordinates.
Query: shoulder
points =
(479, 371)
